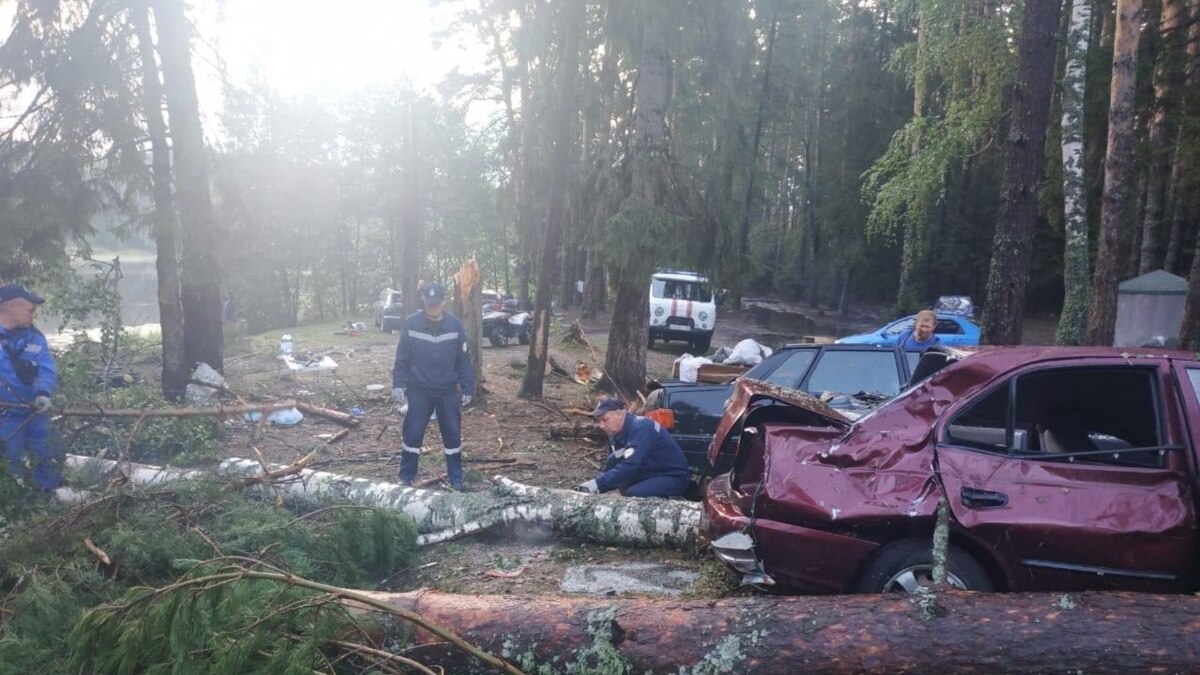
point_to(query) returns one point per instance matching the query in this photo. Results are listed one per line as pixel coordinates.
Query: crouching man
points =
(645, 460)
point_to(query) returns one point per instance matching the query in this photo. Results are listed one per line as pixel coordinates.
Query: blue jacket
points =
(26, 365)
(641, 449)
(432, 356)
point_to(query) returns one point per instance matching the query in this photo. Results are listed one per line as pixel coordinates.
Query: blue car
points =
(953, 330)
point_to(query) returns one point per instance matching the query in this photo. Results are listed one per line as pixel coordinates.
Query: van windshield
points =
(672, 289)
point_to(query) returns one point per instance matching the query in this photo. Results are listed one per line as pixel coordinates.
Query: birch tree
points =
(1072, 322)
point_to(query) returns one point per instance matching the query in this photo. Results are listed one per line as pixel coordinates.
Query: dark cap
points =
(14, 291)
(608, 404)
(433, 293)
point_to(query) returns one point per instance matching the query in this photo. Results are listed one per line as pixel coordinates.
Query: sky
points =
(327, 50)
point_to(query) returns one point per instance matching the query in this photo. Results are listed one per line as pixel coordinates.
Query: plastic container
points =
(285, 344)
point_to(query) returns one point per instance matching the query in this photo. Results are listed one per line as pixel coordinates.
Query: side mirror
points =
(883, 333)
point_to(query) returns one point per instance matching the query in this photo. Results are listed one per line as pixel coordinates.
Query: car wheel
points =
(524, 336)
(385, 326)
(905, 566)
(496, 338)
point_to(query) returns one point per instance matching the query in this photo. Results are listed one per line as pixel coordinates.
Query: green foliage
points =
(50, 581)
(179, 441)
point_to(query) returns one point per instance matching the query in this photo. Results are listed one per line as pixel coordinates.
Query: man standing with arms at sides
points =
(432, 373)
(27, 380)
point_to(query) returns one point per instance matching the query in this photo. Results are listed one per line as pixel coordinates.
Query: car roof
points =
(680, 276)
(840, 346)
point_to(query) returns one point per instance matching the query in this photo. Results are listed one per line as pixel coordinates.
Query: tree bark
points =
(1179, 164)
(968, 633)
(175, 370)
(625, 361)
(1072, 322)
(1159, 134)
(468, 304)
(1004, 309)
(442, 516)
(531, 384)
(1118, 170)
(200, 292)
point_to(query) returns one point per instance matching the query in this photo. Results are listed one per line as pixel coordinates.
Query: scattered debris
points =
(628, 578)
(505, 574)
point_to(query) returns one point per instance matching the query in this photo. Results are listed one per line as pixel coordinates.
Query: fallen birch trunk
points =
(442, 516)
(975, 632)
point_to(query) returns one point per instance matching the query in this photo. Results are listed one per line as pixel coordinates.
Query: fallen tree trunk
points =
(442, 516)
(973, 632)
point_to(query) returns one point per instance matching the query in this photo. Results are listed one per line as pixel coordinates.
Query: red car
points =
(1064, 468)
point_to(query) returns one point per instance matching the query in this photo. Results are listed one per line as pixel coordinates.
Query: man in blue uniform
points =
(27, 381)
(432, 373)
(645, 460)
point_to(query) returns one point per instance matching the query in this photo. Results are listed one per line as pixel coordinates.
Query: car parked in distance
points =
(1064, 469)
(952, 331)
(389, 310)
(853, 379)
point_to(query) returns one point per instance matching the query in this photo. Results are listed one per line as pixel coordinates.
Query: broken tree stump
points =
(441, 516)
(977, 632)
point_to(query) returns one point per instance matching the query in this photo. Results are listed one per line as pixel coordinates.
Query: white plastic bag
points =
(198, 394)
(689, 366)
(286, 417)
(748, 353)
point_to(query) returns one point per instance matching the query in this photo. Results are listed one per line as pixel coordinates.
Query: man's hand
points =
(589, 487)
(466, 400)
(400, 396)
(41, 404)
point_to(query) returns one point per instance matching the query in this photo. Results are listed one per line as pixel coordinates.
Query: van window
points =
(671, 289)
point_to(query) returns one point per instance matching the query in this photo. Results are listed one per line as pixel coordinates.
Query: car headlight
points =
(704, 316)
(658, 311)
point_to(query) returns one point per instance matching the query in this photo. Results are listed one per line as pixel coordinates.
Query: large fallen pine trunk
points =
(972, 632)
(441, 516)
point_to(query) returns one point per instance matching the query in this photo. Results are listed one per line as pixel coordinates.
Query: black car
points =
(852, 379)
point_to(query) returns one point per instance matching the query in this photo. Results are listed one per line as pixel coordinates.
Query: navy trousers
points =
(449, 416)
(658, 486)
(22, 431)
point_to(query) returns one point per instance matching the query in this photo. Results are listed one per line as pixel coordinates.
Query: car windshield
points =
(673, 289)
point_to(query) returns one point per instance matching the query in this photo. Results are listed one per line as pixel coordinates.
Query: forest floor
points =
(498, 425)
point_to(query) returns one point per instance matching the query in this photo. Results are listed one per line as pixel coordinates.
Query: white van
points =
(682, 308)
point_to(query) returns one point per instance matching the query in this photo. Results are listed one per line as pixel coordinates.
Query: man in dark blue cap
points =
(27, 381)
(432, 373)
(645, 460)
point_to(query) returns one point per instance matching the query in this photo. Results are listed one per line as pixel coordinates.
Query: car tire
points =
(496, 338)
(385, 326)
(524, 336)
(903, 565)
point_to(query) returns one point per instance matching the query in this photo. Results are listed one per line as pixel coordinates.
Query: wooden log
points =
(210, 411)
(345, 419)
(442, 516)
(972, 632)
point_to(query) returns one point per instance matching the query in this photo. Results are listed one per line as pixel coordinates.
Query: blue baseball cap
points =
(433, 294)
(608, 404)
(14, 291)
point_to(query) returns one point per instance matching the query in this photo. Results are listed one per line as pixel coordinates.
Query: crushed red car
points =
(1064, 468)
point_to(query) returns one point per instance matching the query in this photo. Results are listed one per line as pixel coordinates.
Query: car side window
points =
(789, 372)
(948, 327)
(1088, 415)
(853, 372)
(1106, 414)
(900, 326)
(984, 424)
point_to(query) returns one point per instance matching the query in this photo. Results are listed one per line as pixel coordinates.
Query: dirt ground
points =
(502, 435)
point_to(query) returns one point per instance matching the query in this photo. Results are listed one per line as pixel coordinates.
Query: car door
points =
(1071, 478)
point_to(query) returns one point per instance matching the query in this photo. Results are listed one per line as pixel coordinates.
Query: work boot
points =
(408, 468)
(454, 470)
